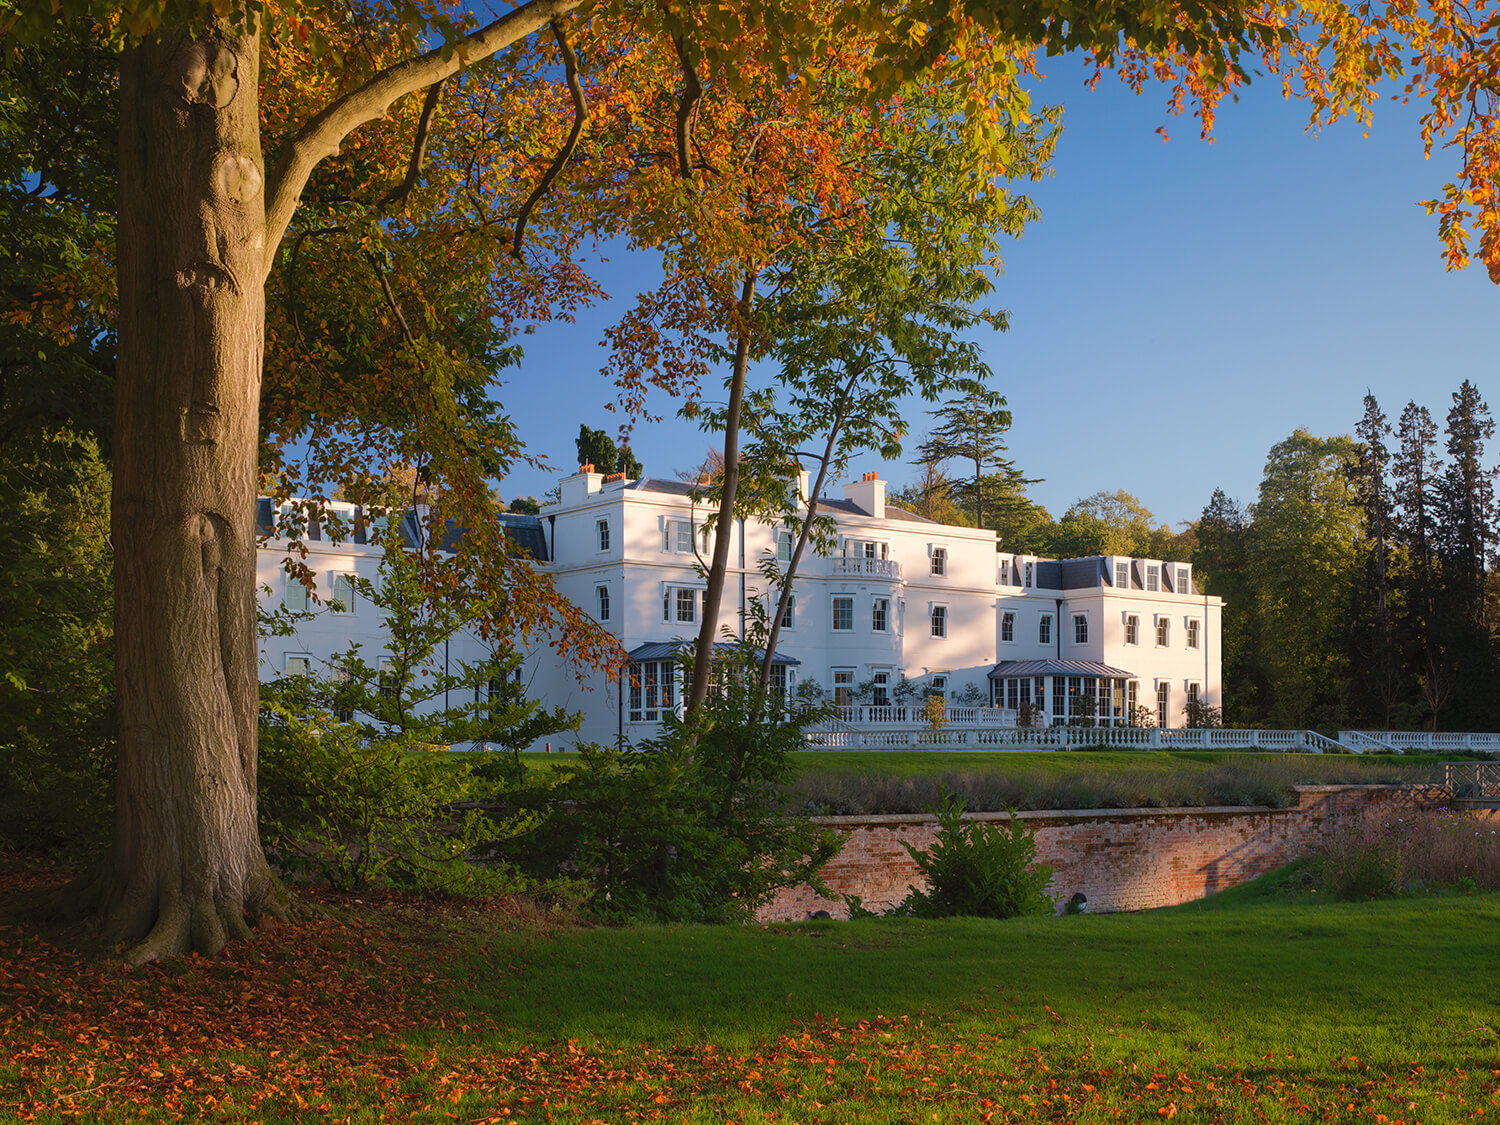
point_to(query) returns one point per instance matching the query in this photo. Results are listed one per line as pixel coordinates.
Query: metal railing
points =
(846, 735)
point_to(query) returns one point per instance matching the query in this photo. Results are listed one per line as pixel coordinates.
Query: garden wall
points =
(1121, 859)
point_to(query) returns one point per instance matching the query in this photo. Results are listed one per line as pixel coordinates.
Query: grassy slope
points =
(1258, 1007)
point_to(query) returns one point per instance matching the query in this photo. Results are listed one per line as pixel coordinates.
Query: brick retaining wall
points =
(1122, 859)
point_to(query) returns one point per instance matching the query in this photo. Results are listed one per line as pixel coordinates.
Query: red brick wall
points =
(1121, 859)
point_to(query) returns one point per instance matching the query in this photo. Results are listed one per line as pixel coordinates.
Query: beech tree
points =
(204, 219)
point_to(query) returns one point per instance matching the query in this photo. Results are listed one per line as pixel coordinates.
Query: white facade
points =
(899, 596)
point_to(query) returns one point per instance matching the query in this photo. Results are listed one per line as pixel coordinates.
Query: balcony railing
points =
(865, 568)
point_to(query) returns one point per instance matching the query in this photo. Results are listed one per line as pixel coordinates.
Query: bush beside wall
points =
(1121, 859)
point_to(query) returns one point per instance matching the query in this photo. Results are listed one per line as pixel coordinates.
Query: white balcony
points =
(887, 569)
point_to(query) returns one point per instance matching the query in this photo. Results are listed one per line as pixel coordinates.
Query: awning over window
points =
(1011, 669)
(668, 650)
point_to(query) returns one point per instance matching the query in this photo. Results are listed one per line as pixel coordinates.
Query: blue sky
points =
(1178, 308)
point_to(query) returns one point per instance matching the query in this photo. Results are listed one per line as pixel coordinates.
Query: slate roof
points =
(668, 650)
(1009, 668)
(523, 531)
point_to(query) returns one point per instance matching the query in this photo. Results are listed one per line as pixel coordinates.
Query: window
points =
(843, 614)
(343, 593)
(1080, 629)
(601, 527)
(1183, 586)
(880, 615)
(1192, 694)
(783, 680)
(679, 603)
(784, 546)
(602, 593)
(298, 665)
(1163, 632)
(865, 549)
(387, 679)
(789, 618)
(1162, 696)
(1044, 630)
(1132, 630)
(1122, 575)
(651, 683)
(341, 709)
(881, 687)
(1192, 633)
(940, 560)
(843, 687)
(939, 621)
(1132, 699)
(940, 684)
(1030, 573)
(1153, 577)
(1008, 627)
(677, 537)
(296, 595)
(1005, 572)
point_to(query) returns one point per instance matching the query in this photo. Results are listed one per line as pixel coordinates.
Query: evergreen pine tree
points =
(1375, 685)
(1415, 470)
(973, 429)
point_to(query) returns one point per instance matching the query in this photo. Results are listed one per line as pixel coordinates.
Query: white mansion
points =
(900, 599)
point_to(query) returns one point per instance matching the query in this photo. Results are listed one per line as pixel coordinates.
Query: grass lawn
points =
(1254, 1007)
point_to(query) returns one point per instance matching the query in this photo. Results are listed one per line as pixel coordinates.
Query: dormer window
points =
(1030, 574)
(1005, 572)
(1153, 577)
(1183, 585)
(1122, 576)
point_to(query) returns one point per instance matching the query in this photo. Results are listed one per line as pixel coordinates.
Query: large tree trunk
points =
(187, 869)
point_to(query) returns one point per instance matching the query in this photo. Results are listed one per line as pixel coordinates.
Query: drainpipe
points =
(1057, 631)
(742, 577)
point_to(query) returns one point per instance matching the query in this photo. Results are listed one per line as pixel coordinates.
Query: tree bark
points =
(187, 869)
(704, 653)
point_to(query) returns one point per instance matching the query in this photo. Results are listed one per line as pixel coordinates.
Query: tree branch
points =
(580, 115)
(399, 193)
(691, 94)
(325, 131)
(390, 299)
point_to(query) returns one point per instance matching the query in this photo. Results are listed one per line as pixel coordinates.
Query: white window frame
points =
(685, 605)
(1004, 573)
(784, 544)
(939, 561)
(1044, 629)
(297, 599)
(843, 683)
(866, 549)
(940, 684)
(677, 537)
(1193, 692)
(1163, 631)
(1184, 583)
(1163, 704)
(1008, 627)
(1080, 628)
(342, 604)
(1153, 578)
(601, 597)
(880, 686)
(289, 658)
(1122, 576)
(1030, 572)
(1132, 629)
(1192, 631)
(601, 534)
(789, 618)
(938, 617)
(649, 688)
(385, 671)
(842, 600)
(880, 615)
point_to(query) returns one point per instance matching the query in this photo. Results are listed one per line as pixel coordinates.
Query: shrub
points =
(692, 825)
(352, 809)
(978, 868)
